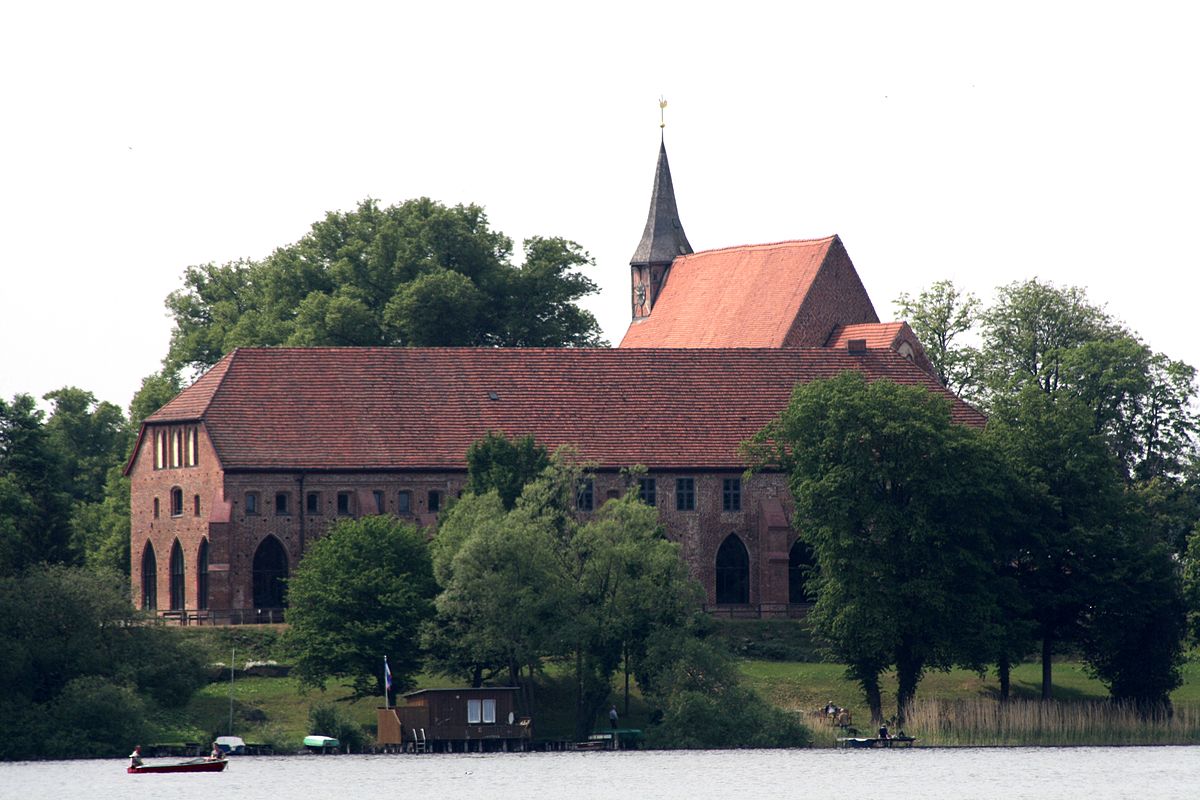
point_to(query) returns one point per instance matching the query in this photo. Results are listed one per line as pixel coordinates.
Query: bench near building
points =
(236, 476)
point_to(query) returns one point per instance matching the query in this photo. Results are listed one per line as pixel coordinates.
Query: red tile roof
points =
(734, 297)
(419, 408)
(877, 335)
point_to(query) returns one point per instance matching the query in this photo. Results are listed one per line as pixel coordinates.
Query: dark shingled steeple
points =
(663, 238)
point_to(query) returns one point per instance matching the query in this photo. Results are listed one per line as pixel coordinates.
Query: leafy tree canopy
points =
(359, 594)
(900, 506)
(417, 274)
(505, 465)
(544, 582)
(80, 674)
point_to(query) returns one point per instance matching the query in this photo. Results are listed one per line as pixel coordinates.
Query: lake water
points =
(1008, 773)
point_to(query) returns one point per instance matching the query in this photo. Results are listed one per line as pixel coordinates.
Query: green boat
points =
(321, 743)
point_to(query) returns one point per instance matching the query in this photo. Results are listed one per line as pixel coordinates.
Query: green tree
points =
(154, 393)
(418, 274)
(360, 593)
(542, 582)
(91, 437)
(496, 462)
(501, 606)
(1134, 631)
(35, 510)
(697, 692)
(80, 674)
(941, 316)
(899, 506)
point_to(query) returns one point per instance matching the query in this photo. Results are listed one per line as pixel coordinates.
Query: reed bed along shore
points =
(987, 722)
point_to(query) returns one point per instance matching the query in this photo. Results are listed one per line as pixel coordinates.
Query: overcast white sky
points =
(984, 145)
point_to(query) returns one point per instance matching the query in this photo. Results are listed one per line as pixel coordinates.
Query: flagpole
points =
(387, 683)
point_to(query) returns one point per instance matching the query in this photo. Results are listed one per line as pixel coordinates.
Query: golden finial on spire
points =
(662, 117)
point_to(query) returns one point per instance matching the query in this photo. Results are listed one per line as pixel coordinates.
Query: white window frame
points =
(474, 711)
(489, 711)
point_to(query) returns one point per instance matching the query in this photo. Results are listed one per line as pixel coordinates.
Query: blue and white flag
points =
(387, 675)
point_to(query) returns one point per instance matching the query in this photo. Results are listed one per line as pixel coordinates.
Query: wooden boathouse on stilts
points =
(456, 720)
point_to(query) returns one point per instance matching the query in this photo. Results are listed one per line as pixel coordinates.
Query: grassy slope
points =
(275, 710)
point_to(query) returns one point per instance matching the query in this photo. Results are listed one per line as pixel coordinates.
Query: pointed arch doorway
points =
(270, 572)
(733, 572)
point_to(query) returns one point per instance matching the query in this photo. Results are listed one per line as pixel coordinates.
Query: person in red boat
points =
(135, 758)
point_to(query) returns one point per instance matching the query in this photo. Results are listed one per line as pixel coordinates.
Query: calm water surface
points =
(1086, 772)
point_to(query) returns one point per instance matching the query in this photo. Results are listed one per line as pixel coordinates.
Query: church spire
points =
(662, 240)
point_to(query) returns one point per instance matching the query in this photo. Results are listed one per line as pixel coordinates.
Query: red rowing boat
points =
(195, 765)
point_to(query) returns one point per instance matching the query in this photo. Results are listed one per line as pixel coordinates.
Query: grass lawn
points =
(275, 711)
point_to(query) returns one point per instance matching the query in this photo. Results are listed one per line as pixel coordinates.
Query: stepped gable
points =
(787, 294)
(419, 408)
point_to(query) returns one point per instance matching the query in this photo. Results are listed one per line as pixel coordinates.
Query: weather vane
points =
(662, 116)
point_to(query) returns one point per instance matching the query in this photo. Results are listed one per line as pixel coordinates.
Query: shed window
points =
(489, 710)
(474, 711)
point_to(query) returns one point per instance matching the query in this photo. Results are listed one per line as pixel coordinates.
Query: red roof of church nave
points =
(420, 408)
(746, 296)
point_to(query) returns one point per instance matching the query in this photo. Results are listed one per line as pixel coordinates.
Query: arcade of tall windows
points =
(176, 446)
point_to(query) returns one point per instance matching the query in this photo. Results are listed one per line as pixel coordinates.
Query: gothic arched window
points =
(733, 571)
(176, 576)
(149, 578)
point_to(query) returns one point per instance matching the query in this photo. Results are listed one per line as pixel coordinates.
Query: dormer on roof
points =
(662, 241)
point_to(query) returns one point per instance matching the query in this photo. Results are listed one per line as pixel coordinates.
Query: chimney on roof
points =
(857, 347)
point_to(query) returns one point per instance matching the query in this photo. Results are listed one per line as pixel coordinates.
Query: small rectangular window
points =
(685, 494)
(196, 505)
(648, 491)
(585, 498)
(156, 508)
(731, 494)
(251, 502)
(435, 502)
(281, 503)
(380, 504)
(312, 503)
(474, 712)
(489, 710)
(177, 502)
(404, 503)
(343, 503)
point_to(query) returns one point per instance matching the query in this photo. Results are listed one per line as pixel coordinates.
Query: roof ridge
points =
(765, 245)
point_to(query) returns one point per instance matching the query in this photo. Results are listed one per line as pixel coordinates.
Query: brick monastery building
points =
(233, 478)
